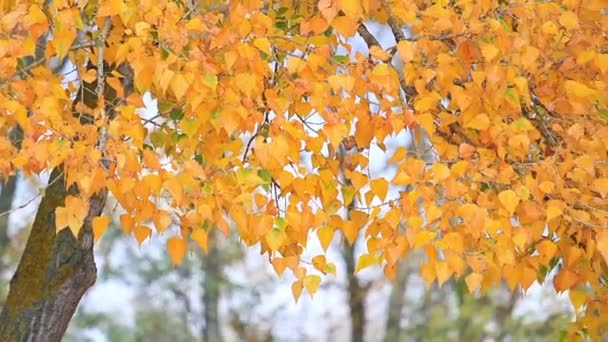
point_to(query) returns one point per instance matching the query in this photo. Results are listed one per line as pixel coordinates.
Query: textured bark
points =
(395, 304)
(211, 291)
(55, 271)
(356, 297)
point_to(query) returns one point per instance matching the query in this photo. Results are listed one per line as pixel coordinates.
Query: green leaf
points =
(176, 114)
(265, 175)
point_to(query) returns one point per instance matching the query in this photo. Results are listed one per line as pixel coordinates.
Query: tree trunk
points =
(356, 296)
(55, 271)
(395, 303)
(211, 291)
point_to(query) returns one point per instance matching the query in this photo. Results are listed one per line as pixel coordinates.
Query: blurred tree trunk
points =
(6, 203)
(55, 271)
(211, 291)
(356, 296)
(396, 302)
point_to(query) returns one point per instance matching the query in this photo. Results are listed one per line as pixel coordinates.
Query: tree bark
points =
(211, 291)
(356, 296)
(55, 271)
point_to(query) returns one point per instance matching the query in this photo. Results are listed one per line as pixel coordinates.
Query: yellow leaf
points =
(319, 262)
(141, 28)
(275, 239)
(195, 24)
(179, 85)
(578, 298)
(489, 51)
(546, 250)
(175, 188)
(263, 44)
(480, 122)
(473, 281)
(601, 240)
(100, 224)
(600, 186)
(351, 8)
(426, 103)
(376, 52)
(406, 50)
(577, 89)
(440, 172)
(127, 223)
(426, 122)
(569, 20)
(423, 237)
(379, 187)
(61, 218)
(110, 7)
(345, 26)
(399, 155)
(326, 235)
(296, 289)
(509, 200)
(162, 220)
(565, 280)
(554, 209)
(279, 265)
(427, 271)
(443, 272)
(585, 56)
(141, 233)
(62, 41)
(601, 61)
(200, 237)
(72, 215)
(365, 261)
(335, 133)
(176, 247)
(547, 187)
(311, 283)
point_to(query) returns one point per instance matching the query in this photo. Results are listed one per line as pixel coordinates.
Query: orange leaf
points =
(176, 247)
(296, 289)
(279, 265)
(326, 235)
(509, 200)
(100, 224)
(473, 281)
(200, 237)
(141, 233)
(601, 240)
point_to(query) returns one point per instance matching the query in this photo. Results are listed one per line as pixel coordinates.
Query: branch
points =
(41, 61)
(551, 138)
(369, 38)
(40, 193)
(101, 43)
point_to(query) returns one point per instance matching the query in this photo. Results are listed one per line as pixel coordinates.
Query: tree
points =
(510, 94)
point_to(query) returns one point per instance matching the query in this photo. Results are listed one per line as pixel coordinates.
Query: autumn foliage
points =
(266, 119)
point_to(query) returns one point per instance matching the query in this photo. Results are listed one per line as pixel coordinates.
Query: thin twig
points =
(40, 192)
(42, 60)
(100, 89)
